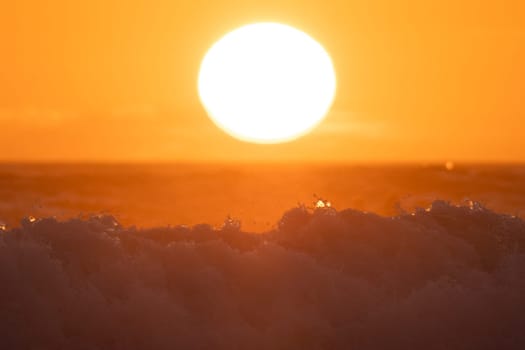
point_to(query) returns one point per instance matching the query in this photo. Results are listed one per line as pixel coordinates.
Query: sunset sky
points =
(117, 80)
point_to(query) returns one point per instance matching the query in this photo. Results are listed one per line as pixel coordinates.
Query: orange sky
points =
(116, 80)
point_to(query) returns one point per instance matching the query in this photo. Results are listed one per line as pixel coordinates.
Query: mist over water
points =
(443, 276)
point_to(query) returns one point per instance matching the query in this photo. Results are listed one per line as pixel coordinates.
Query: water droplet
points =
(321, 203)
(231, 224)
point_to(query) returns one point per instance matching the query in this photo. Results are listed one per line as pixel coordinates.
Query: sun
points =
(267, 83)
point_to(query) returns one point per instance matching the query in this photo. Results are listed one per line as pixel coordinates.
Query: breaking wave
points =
(448, 277)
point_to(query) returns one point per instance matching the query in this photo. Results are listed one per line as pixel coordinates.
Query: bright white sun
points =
(267, 83)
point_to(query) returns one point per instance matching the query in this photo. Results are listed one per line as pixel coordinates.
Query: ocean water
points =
(405, 257)
(257, 195)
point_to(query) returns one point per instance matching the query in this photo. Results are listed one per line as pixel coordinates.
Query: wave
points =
(444, 277)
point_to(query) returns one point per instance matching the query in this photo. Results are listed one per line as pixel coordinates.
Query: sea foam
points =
(445, 277)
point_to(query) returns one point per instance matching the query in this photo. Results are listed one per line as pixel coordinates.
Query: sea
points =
(262, 256)
(257, 195)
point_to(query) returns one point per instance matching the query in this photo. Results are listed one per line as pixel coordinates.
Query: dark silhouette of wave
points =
(448, 277)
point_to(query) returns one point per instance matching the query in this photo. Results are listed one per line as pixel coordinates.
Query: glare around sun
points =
(267, 83)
